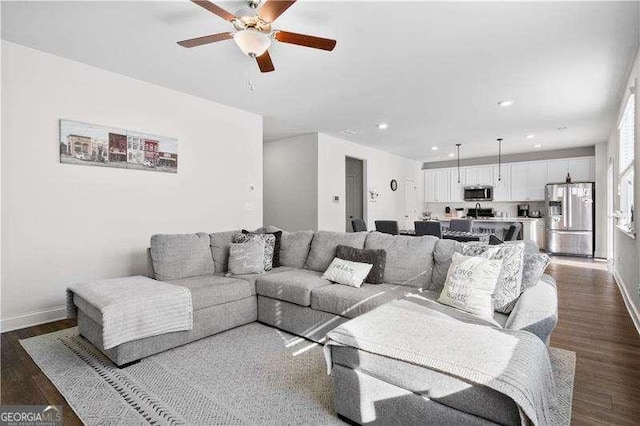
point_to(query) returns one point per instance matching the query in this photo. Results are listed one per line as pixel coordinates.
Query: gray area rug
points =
(249, 375)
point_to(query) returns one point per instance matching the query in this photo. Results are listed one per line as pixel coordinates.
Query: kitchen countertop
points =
(496, 219)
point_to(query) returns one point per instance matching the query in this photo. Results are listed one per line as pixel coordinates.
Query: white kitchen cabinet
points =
(482, 175)
(536, 181)
(436, 186)
(443, 193)
(430, 186)
(456, 189)
(502, 187)
(581, 169)
(519, 179)
(557, 171)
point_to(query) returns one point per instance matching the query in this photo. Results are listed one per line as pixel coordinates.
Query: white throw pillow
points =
(470, 284)
(510, 281)
(246, 258)
(347, 272)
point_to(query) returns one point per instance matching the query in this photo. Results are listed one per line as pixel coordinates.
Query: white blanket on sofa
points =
(133, 308)
(514, 363)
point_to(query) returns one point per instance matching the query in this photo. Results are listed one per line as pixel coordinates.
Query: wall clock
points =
(394, 184)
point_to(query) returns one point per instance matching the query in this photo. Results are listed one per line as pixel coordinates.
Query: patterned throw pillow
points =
(276, 247)
(533, 267)
(345, 272)
(510, 281)
(375, 257)
(269, 242)
(471, 281)
(246, 258)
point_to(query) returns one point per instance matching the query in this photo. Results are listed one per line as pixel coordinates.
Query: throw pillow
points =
(533, 268)
(276, 247)
(377, 258)
(246, 258)
(345, 272)
(269, 242)
(470, 284)
(510, 281)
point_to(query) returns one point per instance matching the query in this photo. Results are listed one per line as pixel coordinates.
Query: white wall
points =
(601, 165)
(380, 166)
(291, 183)
(65, 223)
(627, 249)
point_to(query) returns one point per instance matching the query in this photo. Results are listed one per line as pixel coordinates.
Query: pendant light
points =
(499, 159)
(458, 146)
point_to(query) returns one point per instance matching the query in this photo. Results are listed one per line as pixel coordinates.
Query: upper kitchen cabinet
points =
(430, 185)
(502, 187)
(457, 189)
(557, 171)
(479, 176)
(519, 179)
(436, 185)
(537, 180)
(581, 169)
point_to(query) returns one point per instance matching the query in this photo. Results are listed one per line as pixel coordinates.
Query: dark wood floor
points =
(593, 322)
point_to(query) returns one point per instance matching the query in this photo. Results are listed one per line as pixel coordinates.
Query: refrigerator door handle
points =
(569, 209)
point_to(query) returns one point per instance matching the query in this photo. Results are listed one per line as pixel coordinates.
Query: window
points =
(626, 176)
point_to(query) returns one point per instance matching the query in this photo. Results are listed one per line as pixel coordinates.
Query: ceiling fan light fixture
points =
(252, 42)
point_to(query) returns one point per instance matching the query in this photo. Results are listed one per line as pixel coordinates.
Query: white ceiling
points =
(433, 71)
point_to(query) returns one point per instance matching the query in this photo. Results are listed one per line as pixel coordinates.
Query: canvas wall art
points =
(94, 145)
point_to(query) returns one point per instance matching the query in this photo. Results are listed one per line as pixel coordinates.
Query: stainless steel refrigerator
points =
(570, 218)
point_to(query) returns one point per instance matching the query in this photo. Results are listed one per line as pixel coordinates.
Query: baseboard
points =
(633, 310)
(32, 318)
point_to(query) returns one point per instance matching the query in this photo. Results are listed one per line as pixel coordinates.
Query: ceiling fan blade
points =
(199, 41)
(264, 62)
(271, 9)
(305, 40)
(215, 9)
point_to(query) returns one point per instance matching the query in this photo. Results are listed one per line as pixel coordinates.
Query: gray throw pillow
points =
(377, 258)
(533, 268)
(246, 258)
(269, 242)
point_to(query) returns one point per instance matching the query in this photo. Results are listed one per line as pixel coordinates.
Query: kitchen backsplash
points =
(437, 209)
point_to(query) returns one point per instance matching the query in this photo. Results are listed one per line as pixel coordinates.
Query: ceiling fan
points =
(253, 32)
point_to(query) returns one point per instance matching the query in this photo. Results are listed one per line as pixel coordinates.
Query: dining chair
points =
(428, 227)
(387, 226)
(461, 225)
(513, 232)
(358, 225)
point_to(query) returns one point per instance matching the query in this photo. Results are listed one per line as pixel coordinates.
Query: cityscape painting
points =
(93, 145)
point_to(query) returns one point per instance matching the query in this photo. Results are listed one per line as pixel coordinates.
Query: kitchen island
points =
(533, 228)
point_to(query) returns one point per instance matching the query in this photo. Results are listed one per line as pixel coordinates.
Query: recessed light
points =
(434, 148)
(505, 104)
(383, 126)
(530, 136)
(451, 154)
(538, 145)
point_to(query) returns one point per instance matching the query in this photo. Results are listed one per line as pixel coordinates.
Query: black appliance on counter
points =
(480, 212)
(523, 210)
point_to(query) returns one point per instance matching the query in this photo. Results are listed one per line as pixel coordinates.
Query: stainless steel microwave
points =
(478, 193)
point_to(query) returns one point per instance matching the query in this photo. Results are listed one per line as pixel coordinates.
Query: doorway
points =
(354, 191)
(610, 218)
(410, 201)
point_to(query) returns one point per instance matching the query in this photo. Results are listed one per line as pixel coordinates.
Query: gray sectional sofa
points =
(294, 298)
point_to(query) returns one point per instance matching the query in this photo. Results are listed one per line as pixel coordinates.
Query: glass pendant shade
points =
(252, 42)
